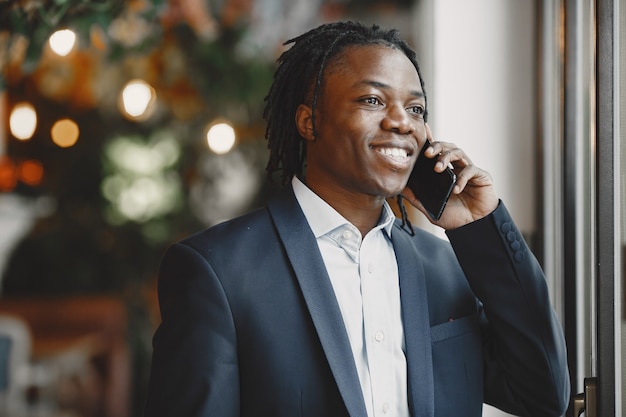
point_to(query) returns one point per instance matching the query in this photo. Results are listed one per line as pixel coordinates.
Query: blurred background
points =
(126, 125)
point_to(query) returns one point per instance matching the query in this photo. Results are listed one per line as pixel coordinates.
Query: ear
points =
(304, 122)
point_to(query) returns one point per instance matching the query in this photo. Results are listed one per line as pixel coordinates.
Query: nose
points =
(398, 120)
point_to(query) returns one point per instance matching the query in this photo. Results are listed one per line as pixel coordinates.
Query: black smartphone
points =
(431, 188)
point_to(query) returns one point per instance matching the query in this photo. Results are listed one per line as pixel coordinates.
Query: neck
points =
(362, 210)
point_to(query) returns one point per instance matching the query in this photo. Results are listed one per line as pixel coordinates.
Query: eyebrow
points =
(383, 86)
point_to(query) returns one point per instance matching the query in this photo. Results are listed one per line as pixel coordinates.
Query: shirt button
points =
(370, 268)
(347, 234)
(379, 336)
(385, 408)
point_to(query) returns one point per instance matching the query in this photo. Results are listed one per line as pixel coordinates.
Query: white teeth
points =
(395, 152)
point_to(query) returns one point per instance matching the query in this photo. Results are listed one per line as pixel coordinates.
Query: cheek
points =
(420, 135)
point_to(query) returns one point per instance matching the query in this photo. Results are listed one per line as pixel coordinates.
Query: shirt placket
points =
(377, 325)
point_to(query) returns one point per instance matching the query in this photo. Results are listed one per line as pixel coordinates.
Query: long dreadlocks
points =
(298, 79)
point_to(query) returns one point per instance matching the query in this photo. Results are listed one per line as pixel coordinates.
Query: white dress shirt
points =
(364, 275)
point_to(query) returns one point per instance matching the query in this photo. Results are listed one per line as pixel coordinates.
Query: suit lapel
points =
(414, 300)
(306, 260)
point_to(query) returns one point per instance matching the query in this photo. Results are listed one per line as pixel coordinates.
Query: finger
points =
(471, 175)
(447, 152)
(462, 179)
(440, 147)
(437, 148)
(450, 155)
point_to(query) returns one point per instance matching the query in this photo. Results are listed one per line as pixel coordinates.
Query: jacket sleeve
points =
(524, 349)
(194, 365)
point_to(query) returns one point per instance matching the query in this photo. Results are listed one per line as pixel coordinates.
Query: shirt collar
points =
(323, 218)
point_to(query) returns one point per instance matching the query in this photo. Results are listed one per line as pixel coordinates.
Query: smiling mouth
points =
(399, 154)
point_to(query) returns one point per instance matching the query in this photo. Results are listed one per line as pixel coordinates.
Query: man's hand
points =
(473, 196)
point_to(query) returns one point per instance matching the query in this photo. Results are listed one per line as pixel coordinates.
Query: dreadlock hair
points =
(299, 78)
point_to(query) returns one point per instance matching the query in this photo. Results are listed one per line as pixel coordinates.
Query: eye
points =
(372, 100)
(417, 110)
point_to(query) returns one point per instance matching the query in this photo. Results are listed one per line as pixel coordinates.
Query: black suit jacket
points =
(251, 327)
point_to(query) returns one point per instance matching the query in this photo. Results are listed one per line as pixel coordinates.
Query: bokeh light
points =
(137, 100)
(65, 133)
(142, 183)
(62, 41)
(23, 121)
(8, 174)
(221, 138)
(31, 172)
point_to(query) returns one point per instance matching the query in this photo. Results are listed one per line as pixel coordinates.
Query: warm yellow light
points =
(65, 133)
(23, 121)
(221, 138)
(137, 99)
(62, 41)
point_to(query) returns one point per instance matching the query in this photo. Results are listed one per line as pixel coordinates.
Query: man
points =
(321, 303)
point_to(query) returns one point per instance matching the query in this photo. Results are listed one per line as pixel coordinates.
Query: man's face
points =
(369, 122)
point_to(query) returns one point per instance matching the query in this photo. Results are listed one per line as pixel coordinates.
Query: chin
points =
(391, 192)
(389, 187)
